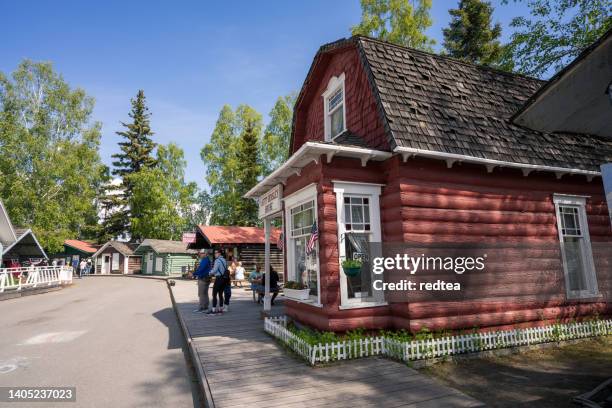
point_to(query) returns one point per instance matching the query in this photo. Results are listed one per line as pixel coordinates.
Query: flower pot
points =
(297, 294)
(352, 272)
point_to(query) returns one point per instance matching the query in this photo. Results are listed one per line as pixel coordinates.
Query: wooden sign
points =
(271, 202)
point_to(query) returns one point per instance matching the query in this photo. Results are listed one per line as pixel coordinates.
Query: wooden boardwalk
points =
(244, 367)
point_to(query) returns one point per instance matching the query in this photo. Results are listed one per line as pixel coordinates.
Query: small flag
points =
(314, 235)
(280, 244)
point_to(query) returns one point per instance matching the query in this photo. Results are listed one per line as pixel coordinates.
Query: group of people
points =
(218, 270)
(219, 274)
(81, 268)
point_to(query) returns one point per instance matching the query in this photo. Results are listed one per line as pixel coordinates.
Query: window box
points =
(297, 294)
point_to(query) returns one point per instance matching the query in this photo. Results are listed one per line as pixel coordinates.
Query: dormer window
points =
(335, 112)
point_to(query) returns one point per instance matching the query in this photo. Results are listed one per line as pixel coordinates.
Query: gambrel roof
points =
(433, 103)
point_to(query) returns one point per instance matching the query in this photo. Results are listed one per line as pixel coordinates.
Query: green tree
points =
(401, 22)
(161, 198)
(471, 35)
(229, 163)
(113, 211)
(275, 146)
(249, 169)
(557, 32)
(136, 154)
(50, 170)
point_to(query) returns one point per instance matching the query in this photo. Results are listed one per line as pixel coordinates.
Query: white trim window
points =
(358, 212)
(300, 215)
(334, 108)
(577, 256)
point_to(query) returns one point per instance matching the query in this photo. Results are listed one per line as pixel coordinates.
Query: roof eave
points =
(309, 152)
(29, 231)
(451, 158)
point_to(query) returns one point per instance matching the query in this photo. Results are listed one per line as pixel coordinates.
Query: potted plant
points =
(351, 267)
(296, 290)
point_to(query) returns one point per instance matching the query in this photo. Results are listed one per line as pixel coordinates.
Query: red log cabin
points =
(391, 144)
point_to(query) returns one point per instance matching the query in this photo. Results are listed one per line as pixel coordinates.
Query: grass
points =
(544, 377)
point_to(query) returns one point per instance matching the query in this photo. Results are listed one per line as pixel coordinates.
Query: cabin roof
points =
(126, 248)
(216, 234)
(435, 103)
(82, 246)
(162, 246)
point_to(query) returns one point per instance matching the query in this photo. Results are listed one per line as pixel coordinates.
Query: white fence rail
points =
(431, 348)
(15, 279)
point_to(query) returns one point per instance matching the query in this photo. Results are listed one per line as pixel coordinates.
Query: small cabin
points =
(117, 257)
(396, 151)
(75, 249)
(245, 244)
(168, 258)
(18, 245)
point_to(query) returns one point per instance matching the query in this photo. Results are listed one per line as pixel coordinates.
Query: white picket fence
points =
(15, 279)
(432, 348)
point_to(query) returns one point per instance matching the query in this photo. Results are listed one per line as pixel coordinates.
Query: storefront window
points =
(356, 247)
(305, 266)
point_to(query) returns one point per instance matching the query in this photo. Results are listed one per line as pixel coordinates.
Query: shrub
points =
(294, 285)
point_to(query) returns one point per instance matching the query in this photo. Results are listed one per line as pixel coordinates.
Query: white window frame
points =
(308, 193)
(589, 265)
(334, 84)
(372, 192)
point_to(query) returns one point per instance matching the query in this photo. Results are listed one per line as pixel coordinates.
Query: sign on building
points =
(271, 202)
(606, 174)
(189, 237)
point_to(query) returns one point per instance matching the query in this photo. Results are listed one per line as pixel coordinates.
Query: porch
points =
(243, 366)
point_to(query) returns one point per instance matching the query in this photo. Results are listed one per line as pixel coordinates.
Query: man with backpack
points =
(219, 272)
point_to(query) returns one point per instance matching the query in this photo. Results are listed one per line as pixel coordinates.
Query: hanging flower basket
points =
(351, 267)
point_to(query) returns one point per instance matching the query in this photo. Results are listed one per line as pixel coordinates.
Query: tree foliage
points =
(471, 36)
(160, 196)
(50, 170)
(232, 167)
(401, 22)
(136, 155)
(557, 32)
(249, 169)
(275, 146)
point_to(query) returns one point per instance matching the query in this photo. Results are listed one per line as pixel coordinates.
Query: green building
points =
(75, 249)
(168, 258)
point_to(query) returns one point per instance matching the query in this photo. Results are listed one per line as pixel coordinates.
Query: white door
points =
(149, 263)
(105, 264)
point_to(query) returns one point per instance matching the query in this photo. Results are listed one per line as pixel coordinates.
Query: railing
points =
(35, 276)
(432, 348)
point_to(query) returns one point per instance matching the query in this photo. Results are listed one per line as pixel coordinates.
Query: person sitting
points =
(273, 285)
(255, 280)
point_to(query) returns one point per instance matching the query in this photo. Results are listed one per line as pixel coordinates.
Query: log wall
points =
(425, 202)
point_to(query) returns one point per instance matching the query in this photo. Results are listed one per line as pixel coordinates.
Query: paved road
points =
(116, 339)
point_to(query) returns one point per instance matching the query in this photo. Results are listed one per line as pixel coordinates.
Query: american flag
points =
(280, 244)
(314, 235)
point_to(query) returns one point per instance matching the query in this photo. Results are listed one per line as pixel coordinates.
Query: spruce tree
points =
(471, 35)
(136, 155)
(247, 155)
(136, 150)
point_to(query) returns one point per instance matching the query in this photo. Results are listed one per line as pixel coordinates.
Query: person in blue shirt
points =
(218, 272)
(202, 274)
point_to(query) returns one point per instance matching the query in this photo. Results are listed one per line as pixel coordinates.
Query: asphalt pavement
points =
(116, 339)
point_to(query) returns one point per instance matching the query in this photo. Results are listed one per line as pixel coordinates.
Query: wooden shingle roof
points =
(440, 104)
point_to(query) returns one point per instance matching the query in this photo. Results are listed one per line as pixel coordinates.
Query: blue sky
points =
(190, 57)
